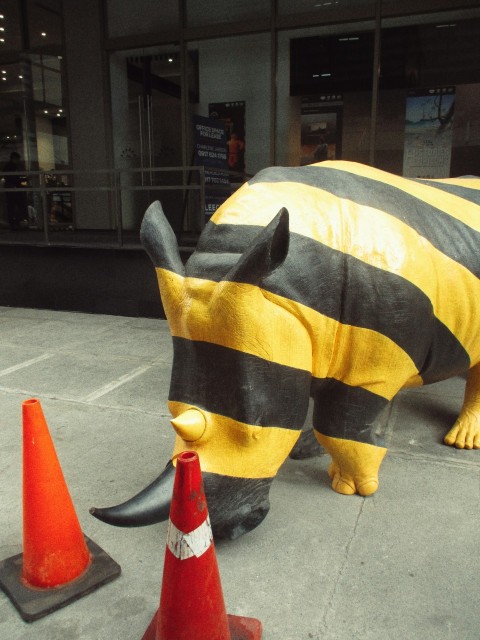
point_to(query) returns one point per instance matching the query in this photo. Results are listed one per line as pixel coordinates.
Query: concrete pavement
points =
(403, 564)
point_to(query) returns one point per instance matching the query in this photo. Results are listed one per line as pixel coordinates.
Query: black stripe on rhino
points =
(346, 289)
(257, 392)
(452, 237)
(238, 385)
(467, 193)
(342, 411)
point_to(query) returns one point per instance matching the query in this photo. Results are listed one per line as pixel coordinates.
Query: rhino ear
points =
(159, 241)
(267, 252)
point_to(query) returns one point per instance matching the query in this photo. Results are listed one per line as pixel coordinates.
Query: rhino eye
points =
(190, 425)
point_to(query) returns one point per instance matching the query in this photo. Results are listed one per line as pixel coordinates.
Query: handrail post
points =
(202, 197)
(43, 195)
(118, 208)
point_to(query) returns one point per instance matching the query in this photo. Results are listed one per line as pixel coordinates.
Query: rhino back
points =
(368, 249)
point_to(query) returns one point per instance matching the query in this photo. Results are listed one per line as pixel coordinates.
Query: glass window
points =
(10, 26)
(141, 16)
(325, 10)
(200, 13)
(229, 117)
(331, 63)
(147, 130)
(47, 81)
(11, 107)
(234, 77)
(428, 122)
(324, 94)
(45, 24)
(48, 121)
(34, 116)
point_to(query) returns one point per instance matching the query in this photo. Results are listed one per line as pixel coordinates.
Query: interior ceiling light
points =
(43, 34)
(21, 77)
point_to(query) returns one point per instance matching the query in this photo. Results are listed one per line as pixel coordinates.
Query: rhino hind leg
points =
(465, 433)
(355, 465)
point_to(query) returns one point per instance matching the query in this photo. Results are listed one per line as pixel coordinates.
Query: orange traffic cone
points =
(54, 549)
(56, 554)
(191, 600)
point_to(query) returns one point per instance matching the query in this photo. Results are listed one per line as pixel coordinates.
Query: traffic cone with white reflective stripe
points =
(191, 600)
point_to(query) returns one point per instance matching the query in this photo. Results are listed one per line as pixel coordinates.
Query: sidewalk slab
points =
(402, 564)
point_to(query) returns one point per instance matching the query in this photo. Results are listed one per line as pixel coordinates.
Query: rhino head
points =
(231, 398)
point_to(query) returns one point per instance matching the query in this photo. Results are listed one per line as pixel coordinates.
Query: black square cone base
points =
(33, 603)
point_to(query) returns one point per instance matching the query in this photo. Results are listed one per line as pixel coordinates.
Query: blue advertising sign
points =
(210, 151)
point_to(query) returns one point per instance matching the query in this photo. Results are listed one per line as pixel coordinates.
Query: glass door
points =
(147, 130)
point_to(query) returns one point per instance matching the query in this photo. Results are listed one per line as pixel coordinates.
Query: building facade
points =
(99, 100)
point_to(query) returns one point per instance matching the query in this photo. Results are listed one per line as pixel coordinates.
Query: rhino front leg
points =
(465, 433)
(355, 465)
(346, 423)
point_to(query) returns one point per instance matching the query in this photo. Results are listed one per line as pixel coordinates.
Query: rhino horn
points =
(149, 506)
(267, 252)
(190, 425)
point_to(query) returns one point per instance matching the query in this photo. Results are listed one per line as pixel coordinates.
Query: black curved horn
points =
(150, 506)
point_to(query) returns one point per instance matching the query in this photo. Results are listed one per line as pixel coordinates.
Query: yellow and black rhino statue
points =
(336, 281)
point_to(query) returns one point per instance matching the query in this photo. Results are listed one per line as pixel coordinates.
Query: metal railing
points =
(100, 207)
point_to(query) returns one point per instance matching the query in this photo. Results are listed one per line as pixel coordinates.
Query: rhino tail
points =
(149, 506)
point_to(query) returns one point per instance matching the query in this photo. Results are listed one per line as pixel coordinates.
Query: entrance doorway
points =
(147, 130)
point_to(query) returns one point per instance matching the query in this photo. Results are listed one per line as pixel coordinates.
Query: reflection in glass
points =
(10, 27)
(44, 24)
(201, 13)
(141, 16)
